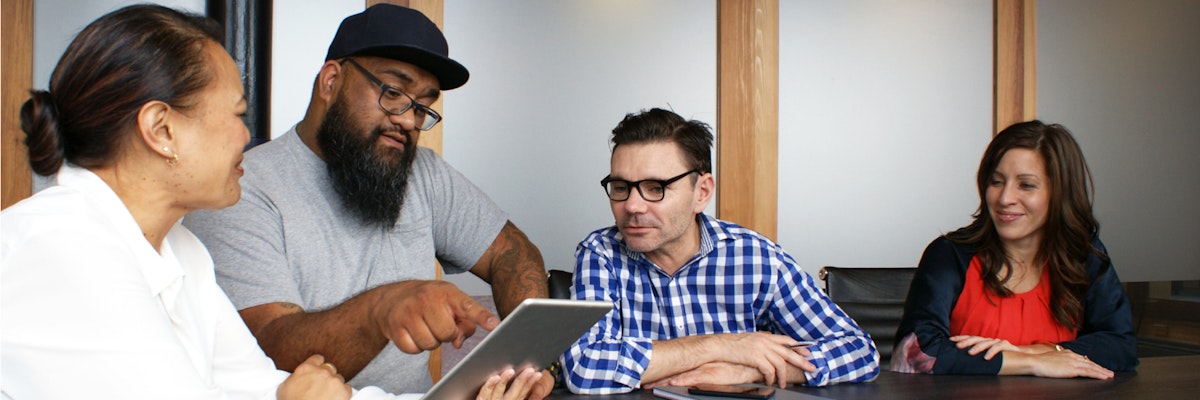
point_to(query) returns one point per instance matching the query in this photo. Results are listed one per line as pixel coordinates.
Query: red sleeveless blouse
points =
(1021, 319)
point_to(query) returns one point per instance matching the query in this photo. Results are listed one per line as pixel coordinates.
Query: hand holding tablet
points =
(534, 335)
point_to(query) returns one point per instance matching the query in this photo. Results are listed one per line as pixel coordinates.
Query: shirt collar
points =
(158, 272)
(711, 232)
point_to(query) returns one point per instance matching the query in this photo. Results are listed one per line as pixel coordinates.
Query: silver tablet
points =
(534, 334)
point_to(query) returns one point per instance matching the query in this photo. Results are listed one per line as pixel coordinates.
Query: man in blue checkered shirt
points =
(696, 299)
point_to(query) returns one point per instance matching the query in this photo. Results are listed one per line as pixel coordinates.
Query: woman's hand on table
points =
(978, 344)
(1068, 364)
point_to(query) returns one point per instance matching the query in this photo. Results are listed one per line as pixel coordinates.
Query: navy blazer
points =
(1106, 336)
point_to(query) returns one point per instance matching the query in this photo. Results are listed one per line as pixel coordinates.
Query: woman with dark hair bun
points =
(104, 293)
(1027, 288)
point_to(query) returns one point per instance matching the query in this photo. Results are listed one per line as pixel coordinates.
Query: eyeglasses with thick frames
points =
(395, 102)
(652, 190)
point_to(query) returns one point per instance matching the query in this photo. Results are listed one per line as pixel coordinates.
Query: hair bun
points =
(39, 120)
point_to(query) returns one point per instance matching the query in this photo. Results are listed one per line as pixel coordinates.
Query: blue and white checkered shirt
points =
(739, 282)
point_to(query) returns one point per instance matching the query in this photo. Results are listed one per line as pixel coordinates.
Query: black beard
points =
(372, 186)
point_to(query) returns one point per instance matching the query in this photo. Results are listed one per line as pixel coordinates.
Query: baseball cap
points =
(399, 33)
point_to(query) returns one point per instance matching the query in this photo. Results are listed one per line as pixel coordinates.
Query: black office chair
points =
(874, 297)
(559, 282)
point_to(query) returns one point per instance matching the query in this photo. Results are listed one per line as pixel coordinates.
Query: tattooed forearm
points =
(517, 270)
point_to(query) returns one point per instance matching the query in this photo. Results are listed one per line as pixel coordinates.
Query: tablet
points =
(534, 335)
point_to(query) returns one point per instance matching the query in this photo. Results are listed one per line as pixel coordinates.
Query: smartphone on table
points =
(734, 391)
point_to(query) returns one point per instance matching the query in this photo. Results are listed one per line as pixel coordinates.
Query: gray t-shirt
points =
(289, 239)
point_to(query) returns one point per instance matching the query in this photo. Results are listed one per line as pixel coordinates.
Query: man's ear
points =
(327, 81)
(706, 188)
(154, 128)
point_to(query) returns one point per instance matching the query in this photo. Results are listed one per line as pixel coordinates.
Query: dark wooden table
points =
(1155, 378)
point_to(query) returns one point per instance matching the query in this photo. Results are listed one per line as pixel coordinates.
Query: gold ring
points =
(331, 367)
(1057, 347)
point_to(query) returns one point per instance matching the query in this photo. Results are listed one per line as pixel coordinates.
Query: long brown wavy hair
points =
(1070, 226)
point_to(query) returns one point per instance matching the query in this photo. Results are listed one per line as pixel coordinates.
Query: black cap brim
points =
(450, 73)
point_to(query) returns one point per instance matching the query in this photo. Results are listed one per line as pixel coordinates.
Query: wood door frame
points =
(1015, 62)
(15, 175)
(748, 113)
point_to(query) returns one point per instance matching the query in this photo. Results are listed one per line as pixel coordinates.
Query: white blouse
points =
(88, 308)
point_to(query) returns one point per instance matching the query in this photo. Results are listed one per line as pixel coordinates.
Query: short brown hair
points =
(658, 125)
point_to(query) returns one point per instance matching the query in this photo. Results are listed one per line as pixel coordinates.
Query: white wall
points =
(55, 24)
(549, 81)
(300, 34)
(1124, 77)
(885, 110)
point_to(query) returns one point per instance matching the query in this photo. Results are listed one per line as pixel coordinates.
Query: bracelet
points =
(555, 370)
(1057, 347)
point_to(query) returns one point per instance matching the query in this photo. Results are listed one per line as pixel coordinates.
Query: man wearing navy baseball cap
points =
(332, 248)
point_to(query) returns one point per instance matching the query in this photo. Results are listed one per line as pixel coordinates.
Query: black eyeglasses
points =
(395, 102)
(651, 189)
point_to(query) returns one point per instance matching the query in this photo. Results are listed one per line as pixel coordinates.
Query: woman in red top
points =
(1027, 288)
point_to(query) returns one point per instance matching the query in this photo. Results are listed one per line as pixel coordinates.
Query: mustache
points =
(639, 220)
(394, 131)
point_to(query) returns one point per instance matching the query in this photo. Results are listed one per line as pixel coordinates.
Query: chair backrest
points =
(559, 282)
(874, 297)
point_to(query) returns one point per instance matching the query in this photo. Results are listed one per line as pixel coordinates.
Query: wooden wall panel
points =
(748, 113)
(1015, 47)
(17, 70)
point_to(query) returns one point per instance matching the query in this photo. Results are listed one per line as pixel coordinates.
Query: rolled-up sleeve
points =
(603, 361)
(843, 351)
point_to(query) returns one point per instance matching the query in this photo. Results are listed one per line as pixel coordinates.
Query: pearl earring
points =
(174, 159)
